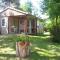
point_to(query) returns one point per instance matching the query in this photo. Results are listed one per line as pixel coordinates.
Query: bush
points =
(55, 32)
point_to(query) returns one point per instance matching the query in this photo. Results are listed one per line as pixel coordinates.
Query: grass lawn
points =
(42, 48)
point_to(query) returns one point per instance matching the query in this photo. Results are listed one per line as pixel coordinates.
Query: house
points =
(16, 21)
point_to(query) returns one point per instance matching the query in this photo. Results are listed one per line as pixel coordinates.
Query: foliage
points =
(52, 8)
(55, 32)
(8, 2)
(47, 25)
(27, 7)
(22, 38)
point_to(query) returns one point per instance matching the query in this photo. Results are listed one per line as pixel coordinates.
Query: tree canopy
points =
(9, 2)
(52, 7)
(27, 6)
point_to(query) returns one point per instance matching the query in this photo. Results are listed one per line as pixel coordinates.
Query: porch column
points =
(25, 26)
(29, 26)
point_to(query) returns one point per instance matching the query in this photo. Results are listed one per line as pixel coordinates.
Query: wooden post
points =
(25, 26)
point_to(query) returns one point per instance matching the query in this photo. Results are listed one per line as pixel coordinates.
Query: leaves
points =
(52, 8)
(15, 2)
(27, 7)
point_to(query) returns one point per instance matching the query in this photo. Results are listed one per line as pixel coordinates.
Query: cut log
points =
(22, 51)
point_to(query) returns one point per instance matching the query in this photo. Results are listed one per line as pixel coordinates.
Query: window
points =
(3, 22)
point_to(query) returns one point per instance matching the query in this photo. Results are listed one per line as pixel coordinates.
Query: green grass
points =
(42, 48)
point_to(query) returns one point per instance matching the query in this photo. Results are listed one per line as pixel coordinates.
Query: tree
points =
(52, 8)
(9, 2)
(27, 7)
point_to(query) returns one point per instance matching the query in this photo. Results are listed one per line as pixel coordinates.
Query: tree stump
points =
(22, 50)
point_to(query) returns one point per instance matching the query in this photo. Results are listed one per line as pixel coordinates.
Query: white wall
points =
(4, 29)
(0, 24)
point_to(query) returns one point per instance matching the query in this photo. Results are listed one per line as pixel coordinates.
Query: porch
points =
(21, 24)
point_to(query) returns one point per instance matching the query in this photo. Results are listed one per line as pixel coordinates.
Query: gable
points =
(12, 12)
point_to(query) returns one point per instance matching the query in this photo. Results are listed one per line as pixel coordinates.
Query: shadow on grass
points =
(41, 47)
(7, 57)
(36, 56)
(44, 49)
(8, 41)
(33, 56)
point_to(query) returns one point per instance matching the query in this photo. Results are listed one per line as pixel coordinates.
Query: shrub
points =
(22, 38)
(55, 32)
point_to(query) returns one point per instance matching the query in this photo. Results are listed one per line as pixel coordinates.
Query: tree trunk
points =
(56, 20)
(22, 51)
(56, 24)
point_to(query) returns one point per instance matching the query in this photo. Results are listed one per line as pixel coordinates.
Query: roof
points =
(12, 11)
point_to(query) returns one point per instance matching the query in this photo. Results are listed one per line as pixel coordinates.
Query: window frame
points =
(3, 23)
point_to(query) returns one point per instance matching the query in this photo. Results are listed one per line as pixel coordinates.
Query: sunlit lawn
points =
(42, 48)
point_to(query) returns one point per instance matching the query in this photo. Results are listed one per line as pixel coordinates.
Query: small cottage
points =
(14, 21)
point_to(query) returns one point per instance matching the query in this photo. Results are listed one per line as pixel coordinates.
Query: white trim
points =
(17, 10)
(4, 29)
(30, 27)
(4, 23)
